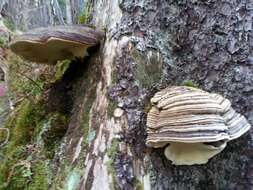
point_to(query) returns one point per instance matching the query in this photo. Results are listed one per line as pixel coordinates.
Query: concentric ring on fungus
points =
(194, 125)
(55, 43)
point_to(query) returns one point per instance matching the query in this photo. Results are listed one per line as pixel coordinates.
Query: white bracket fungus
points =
(194, 124)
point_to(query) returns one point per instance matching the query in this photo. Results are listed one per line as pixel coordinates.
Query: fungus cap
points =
(48, 45)
(191, 122)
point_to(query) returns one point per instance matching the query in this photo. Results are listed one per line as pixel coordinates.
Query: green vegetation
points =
(60, 178)
(15, 169)
(60, 68)
(190, 83)
(8, 22)
(31, 147)
(86, 116)
(113, 152)
(34, 133)
(114, 75)
(3, 42)
(89, 134)
(23, 123)
(22, 82)
(85, 16)
(55, 128)
(148, 68)
(88, 89)
(41, 176)
(138, 185)
(111, 107)
(69, 173)
(25, 83)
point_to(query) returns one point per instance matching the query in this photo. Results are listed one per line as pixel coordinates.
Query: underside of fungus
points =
(49, 45)
(192, 124)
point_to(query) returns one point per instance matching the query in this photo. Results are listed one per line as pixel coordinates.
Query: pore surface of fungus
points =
(48, 45)
(192, 124)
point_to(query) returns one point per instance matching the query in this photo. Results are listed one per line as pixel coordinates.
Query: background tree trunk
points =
(150, 45)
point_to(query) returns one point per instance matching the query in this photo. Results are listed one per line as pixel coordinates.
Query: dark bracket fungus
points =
(192, 124)
(52, 44)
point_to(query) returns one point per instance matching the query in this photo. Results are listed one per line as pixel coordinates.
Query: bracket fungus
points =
(52, 44)
(192, 125)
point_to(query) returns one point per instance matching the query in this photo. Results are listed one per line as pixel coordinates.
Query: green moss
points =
(24, 122)
(30, 169)
(148, 70)
(29, 176)
(113, 152)
(111, 107)
(8, 22)
(3, 42)
(25, 160)
(22, 81)
(190, 83)
(88, 90)
(85, 122)
(60, 68)
(83, 18)
(138, 185)
(59, 181)
(85, 117)
(41, 177)
(114, 75)
(55, 128)
(14, 168)
(18, 180)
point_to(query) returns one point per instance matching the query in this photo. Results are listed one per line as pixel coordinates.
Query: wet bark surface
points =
(150, 45)
(209, 42)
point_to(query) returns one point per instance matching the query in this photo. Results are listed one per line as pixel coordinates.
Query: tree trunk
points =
(68, 12)
(28, 14)
(148, 46)
(208, 42)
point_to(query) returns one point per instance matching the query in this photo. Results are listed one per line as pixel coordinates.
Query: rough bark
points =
(4, 99)
(29, 14)
(209, 42)
(150, 45)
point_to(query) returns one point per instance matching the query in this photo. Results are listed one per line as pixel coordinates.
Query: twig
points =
(22, 74)
(7, 136)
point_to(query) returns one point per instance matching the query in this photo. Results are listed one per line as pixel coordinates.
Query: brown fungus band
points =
(52, 44)
(192, 124)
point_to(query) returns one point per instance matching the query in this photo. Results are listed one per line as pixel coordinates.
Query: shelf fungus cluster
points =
(192, 125)
(52, 44)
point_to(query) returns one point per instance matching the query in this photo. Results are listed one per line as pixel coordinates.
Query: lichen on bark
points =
(207, 42)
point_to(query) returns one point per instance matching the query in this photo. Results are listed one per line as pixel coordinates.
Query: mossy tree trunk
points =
(153, 44)
(150, 45)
